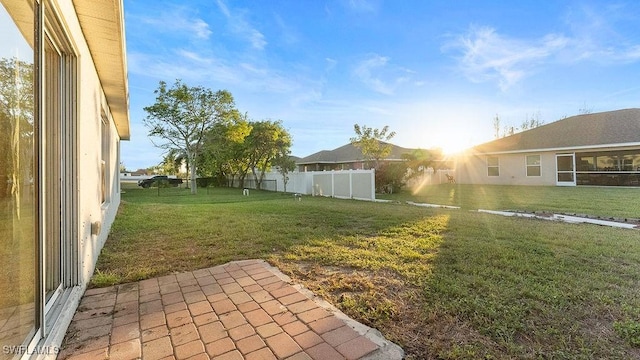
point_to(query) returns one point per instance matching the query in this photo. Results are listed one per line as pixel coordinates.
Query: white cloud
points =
(201, 29)
(185, 65)
(378, 75)
(489, 56)
(330, 64)
(594, 34)
(632, 53)
(223, 7)
(598, 36)
(364, 72)
(176, 20)
(361, 5)
(194, 56)
(289, 36)
(239, 25)
(194, 67)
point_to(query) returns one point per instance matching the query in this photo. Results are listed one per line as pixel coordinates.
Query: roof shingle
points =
(597, 129)
(348, 153)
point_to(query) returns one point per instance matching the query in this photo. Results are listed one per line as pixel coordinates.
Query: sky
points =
(437, 72)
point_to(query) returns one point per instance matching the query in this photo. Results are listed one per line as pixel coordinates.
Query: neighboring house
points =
(64, 109)
(347, 157)
(141, 172)
(591, 149)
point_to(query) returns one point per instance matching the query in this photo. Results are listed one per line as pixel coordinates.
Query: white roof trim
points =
(569, 148)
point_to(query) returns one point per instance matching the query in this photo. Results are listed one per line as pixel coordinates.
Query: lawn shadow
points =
(522, 288)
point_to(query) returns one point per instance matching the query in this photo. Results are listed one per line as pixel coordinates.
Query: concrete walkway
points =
(565, 218)
(241, 310)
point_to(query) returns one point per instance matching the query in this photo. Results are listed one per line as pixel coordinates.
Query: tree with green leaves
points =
(225, 148)
(284, 164)
(268, 139)
(391, 177)
(16, 124)
(418, 160)
(172, 162)
(182, 115)
(372, 142)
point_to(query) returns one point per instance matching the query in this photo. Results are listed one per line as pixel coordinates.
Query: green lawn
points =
(441, 283)
(596, 201)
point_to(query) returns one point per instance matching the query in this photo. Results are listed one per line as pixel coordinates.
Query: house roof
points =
(102, 23)
(348, 153)
(619, 127)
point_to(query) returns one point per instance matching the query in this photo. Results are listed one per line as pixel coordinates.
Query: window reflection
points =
(17, 198)
(612, 168)
(533, 165)
(493, 166)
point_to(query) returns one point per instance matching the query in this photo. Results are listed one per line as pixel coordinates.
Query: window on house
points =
(493, 166)
(533, 165)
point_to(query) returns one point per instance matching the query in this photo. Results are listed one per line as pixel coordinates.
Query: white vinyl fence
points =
(347, 184)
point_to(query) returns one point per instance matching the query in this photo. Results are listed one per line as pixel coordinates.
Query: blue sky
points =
(436, 72)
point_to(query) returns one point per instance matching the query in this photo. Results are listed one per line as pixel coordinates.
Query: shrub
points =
(391, 177)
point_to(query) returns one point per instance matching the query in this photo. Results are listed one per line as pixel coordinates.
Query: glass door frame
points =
(58, 163)
(560, 172)
(64, 159)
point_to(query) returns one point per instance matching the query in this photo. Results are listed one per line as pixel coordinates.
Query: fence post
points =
(373, 184)
(333, 184)
(351, 184)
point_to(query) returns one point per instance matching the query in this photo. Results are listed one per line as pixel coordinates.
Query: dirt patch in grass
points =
(382, 300)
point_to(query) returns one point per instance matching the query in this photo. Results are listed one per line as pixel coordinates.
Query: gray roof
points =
(596, 130)
(348, 153)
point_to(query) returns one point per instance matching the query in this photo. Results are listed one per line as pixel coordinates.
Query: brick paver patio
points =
(241, 310)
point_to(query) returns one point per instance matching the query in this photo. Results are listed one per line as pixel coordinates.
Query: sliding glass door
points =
(18, 215)
(59, 219)
(38, 219)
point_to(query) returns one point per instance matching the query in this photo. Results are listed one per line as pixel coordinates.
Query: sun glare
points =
(454, 144)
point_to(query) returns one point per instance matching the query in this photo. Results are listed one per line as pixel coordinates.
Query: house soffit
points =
(102, 24)
(605, 147)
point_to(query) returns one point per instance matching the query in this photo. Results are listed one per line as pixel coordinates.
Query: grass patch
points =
(596, 201)
(448, 284)
(629, 330)
(103, 279)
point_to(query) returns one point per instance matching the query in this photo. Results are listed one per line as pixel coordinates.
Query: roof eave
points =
(102, 24)
(341, 161)
(568, 148)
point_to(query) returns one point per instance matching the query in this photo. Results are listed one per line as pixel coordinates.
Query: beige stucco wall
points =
(472, 169)
(91, 104)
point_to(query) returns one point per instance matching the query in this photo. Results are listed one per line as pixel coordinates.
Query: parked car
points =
(159, 179)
